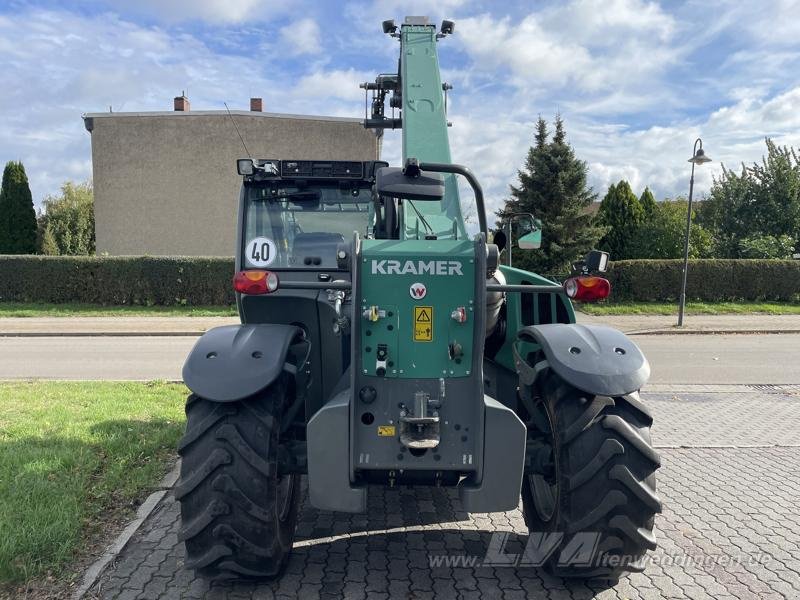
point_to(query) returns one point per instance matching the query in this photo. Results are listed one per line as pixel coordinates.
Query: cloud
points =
(210, 11)
(337, 83)
(636, 81)
(589, 44)
(96, 62)
(301, 37)
(656, 156)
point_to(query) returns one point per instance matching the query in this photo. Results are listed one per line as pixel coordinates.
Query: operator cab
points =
(297, 220)
(297, 214)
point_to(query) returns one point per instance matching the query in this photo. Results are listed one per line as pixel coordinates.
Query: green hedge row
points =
(115, 280)
(708, 280)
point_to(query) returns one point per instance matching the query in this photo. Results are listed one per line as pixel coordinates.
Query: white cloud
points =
(600, 22)
(301, 37)
(211, 11)
(381, 10)
(336, 83)
(609, 67)
(589, 44)
(60, 72)
(656, 156)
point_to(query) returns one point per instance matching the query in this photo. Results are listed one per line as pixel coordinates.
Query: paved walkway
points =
(71, 326)
(730, 526)
(697, 323)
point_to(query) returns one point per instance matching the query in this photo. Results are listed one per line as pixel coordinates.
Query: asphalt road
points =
(712, 359)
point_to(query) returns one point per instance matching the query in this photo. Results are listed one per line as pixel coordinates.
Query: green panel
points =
(388, 270)
(425, 127)
(514, 320)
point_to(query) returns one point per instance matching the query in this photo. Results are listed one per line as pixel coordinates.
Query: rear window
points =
(290, 227)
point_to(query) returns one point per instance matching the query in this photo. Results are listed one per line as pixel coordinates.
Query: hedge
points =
(708, 280)
(116, 280)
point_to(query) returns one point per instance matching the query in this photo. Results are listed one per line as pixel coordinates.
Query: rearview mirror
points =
(392, 181)
(531, 240)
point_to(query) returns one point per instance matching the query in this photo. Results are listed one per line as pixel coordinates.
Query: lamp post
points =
(698, 158)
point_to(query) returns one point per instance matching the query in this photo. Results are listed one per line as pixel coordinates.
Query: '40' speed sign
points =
(260, 252)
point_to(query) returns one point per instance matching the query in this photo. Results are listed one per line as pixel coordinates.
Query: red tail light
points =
(255, 282)
(587, 288)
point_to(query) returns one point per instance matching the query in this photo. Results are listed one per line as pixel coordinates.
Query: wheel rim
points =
(544, 484)
(285, 493)
(544, 496)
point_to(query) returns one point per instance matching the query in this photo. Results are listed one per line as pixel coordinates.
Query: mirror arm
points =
(476, 187)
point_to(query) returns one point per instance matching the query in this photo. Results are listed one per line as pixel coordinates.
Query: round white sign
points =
(418, 291)
(260, 252)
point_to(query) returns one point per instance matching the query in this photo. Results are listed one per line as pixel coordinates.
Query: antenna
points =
(246, 151)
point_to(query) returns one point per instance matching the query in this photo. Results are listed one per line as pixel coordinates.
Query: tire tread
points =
(606, 476)
(228, 488)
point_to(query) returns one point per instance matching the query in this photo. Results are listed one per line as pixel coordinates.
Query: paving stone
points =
(730, 526)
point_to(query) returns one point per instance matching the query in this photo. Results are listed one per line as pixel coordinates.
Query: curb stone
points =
(113, 550)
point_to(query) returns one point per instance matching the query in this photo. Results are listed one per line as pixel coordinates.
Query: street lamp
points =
(698, 158)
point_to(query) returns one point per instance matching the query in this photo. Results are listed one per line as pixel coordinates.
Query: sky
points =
(635, 81)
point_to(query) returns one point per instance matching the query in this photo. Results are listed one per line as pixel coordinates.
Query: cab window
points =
(292, 227)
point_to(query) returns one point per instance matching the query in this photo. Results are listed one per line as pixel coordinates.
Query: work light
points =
(244, 166)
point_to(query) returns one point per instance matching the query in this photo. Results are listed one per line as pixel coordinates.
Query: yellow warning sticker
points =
(423, 323)
(386, 430)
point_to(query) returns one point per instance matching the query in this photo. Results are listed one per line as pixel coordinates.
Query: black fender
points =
(596, 359)
(233, 362)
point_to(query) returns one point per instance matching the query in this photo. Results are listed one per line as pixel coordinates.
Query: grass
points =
(77, 458)
(692, 308)
(36, 309)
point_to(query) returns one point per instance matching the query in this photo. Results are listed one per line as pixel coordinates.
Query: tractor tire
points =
(238, 514)
(598, 483)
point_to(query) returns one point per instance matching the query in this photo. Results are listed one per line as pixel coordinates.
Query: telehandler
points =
(382, 344)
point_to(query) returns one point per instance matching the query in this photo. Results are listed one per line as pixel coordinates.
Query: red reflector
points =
(587, 288)
(255, 282)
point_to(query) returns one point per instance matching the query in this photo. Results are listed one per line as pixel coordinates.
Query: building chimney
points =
(181, 103)
(256, 105)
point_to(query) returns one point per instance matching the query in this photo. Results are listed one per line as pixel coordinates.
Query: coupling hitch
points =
(421, 429)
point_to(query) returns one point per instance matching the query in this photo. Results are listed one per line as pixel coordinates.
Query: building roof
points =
(88, 117)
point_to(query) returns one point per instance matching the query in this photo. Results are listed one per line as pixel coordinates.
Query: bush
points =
(708, 280)
(67, 224)
(204, 281)
(117, 280)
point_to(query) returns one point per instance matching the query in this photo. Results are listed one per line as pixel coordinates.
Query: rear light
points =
(255, 282)
(587, 288)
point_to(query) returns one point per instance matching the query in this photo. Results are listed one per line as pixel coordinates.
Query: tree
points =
(552, 186)
(648, 202)
(762, 200)
(17, 215)
(766, 246)
(622, 214)
(662, 235)
(68, 221)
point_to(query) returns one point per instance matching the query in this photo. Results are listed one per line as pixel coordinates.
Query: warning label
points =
(423, 323)
(386, 430)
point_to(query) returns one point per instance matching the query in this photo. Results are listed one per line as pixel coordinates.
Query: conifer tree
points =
(552, 186)
(622, 213)
(17, 215)
(648, 202)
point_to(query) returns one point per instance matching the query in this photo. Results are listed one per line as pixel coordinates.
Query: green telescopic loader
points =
(383, 344)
